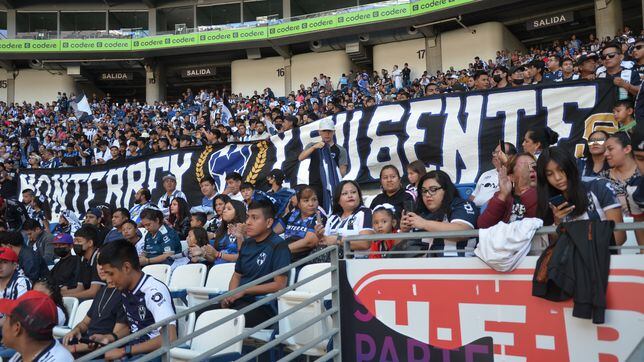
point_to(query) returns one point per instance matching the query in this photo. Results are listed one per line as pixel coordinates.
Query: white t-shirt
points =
(55, 352)
(487, 185)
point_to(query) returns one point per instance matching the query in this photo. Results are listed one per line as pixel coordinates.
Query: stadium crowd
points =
(99, 255)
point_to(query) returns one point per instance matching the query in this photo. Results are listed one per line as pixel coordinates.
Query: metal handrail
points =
(167, 345)
(472, 233)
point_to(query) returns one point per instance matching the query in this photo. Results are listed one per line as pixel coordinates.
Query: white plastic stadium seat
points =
(209, 339)
(312, 310)
(217, 282)
(186, 276)
(185, 325)
(71, 304)
(160, 272)
(81, 312)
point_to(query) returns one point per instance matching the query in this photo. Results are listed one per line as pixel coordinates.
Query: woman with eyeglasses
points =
(440, 208)
(517, 195)
(349, 217)
(624, 176)
(594, 160)
(563, 196)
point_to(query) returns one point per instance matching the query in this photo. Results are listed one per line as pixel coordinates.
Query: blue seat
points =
(465, 190)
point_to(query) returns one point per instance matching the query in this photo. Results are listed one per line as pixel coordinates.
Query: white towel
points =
(503, 246)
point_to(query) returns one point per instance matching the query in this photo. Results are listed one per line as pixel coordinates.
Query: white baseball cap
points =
(326, 124)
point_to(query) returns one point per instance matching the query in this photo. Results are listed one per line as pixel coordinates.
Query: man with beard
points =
(141, 202)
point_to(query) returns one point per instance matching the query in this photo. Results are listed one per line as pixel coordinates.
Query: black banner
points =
(455, 132)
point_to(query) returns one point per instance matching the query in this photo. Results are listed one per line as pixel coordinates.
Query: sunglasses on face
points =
(596, 142)
(609, 55)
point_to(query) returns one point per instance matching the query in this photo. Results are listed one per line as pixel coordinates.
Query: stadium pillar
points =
(155, 86)
(608, 17)
(11, 88)
(152, 21)
(287, 76)
(434, 56)
(11, 23)
(286, 8)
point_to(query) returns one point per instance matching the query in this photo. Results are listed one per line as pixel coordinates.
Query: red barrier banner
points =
(448, 309)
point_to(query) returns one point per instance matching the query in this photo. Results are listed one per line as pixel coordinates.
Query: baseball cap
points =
(95, 211)
(326, 125)
(169, 176)
(277, 174)
(35, 310)
(8, 254)
(584, 57)
(62, 239)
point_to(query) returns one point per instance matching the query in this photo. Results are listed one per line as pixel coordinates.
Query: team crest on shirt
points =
(142, 312)
(157, 297)
(261, 259)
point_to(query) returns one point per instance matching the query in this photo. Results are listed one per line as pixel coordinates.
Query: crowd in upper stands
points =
(99, 255)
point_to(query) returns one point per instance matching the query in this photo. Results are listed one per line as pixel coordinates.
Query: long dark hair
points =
(590, 163)
(337, 209)
(201, 235)
(544, 135)
(240, 216)
(446, 183)
(417, 166)
(55, 295)
(43, 204)
(222, 197)
(576, 191)
(184, 211)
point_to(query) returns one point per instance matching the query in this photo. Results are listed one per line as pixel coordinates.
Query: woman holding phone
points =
(563, 196)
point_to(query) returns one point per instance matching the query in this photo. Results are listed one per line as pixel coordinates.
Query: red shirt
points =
(514, 208)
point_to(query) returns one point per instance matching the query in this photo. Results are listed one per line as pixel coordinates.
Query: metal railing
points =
(473, 233)
(333, 312)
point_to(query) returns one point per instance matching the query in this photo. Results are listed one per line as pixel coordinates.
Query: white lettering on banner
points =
(389, 142)
(179, 169)
(520, 104)
(134, 183)
(474, 317)
(94, 176)
(417, 135)
(464, 142)
(114, 180)
(352, 149)
(59, 184)
(386, 313)
(554, 100)
(153, 165)
(76, 179)
(280, 154)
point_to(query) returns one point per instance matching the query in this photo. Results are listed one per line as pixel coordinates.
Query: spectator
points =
(68, 222)
(30, 262)
(481, 80)
(198, 219)
(557, 174)
(535, 71)
(349, 217)
(441, 209)
(207, 185)
(415, 170)
(555, 72)
(397, 76)
(141, 202)
(199, 249)
(275, 179)
(317, 150)
(119, 217)
(384, 222)
(145, 300)
(161, 241)
(94, 217)
(13, 283)
(86, 244)
(516, 75)
(624, 176)
(623, 112)
(625, 78)
(247, 190)
(171, 192)
(262, 253)
(594, 160)
(500, 77)
(105, 321)
(516, 198)
(538, 139)
(298, 226)
(587, 64)
(41, 211)
(48, 287)
(132, 234)
(406, 75)
(28, 197)
(67, 271)
(32, 337)
(218, 203)
(14, 213)
(179, 218)
(40, 240)
(488, 182)
(233, 185)
(229, 235)
(393, 191)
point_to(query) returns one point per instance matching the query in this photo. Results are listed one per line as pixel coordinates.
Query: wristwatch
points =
(128, 351)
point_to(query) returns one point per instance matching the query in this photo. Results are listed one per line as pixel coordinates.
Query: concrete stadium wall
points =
(39, 85)
(385, 56)
(306, 66)
(248, 75)
(459, 47)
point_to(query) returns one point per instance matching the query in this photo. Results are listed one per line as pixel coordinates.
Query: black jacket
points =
(576, 266)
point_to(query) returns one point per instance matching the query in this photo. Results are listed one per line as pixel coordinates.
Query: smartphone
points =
(408, 206)
(318, 218)
(557, 200)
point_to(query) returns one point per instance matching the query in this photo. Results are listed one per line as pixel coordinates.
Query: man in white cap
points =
(171, 192)
(338, 153)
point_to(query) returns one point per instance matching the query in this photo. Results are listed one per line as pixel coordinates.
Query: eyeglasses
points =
(609, 55)
(430, 191)
(596, 142)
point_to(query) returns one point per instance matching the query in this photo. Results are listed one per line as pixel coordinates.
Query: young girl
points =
(415, 171)
(384, 222)
(198, 246)
(229, 238)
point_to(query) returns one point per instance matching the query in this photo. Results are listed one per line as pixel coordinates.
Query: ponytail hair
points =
(545, 136)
